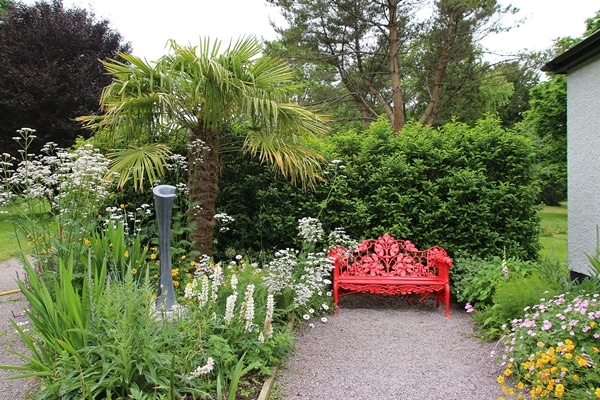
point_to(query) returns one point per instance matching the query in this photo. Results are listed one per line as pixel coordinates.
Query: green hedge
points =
(471, 190)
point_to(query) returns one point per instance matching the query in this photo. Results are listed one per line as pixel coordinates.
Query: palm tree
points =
(200, 91)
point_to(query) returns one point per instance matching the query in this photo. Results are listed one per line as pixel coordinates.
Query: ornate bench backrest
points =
(387, 256)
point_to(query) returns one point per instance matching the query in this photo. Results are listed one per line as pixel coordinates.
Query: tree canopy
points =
(51, 71)
(394, 57)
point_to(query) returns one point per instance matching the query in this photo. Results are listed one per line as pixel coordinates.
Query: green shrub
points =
(471, 190)
(476, 280)
(514, 295)
(497, 291)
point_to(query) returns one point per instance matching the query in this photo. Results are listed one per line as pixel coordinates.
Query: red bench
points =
(393, 267)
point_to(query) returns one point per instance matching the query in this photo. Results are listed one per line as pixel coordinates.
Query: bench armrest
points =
(438, 258)
(339, 257)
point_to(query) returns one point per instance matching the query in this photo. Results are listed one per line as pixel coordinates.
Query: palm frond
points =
(144, 164)
(293, 159)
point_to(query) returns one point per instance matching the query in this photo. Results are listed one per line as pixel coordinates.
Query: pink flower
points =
(546, 325)
(469, 308)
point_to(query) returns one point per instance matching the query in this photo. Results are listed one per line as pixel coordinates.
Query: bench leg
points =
(336, 298)
(448, 301)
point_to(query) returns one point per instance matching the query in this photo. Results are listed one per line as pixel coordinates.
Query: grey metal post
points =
(164, 196)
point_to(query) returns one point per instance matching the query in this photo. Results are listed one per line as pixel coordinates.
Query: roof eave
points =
(581, 52)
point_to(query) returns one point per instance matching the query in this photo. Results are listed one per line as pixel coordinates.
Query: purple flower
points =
(469, 308)
(546, 325)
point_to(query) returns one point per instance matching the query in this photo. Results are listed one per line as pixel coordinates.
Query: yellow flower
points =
(560, 389)
(183, 257)
(520, 385)
(175, 272)
(176, 283)
(568, 356)
(500, 379)
(597, 393)
(507, 372)
(569, 345)
(122, 206)
(87, 242)
(134, 271)
(153, 256)
(126, 254)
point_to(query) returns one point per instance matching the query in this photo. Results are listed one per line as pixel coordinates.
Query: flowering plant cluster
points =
(234, 316)
(67, 186)
(301, 279)
(553, 351)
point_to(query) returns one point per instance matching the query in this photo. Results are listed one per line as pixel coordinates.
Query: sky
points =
(148, 25)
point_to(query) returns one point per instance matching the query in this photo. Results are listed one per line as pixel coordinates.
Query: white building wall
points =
(583, 151)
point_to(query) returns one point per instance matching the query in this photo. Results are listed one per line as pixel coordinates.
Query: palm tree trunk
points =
(203, 184)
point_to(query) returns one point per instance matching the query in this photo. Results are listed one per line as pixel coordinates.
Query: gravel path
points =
(12, 307)
(380, 348)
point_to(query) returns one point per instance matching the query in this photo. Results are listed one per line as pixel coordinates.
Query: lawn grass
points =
(553, 234)
(9, 247)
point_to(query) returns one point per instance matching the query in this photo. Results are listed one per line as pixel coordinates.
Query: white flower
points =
(203, 370)
(190, 289)
(323, 319)
(268, 325)
(247, 310)
(233, 282)
(230, 305)
(203, 295)
(306, 317)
